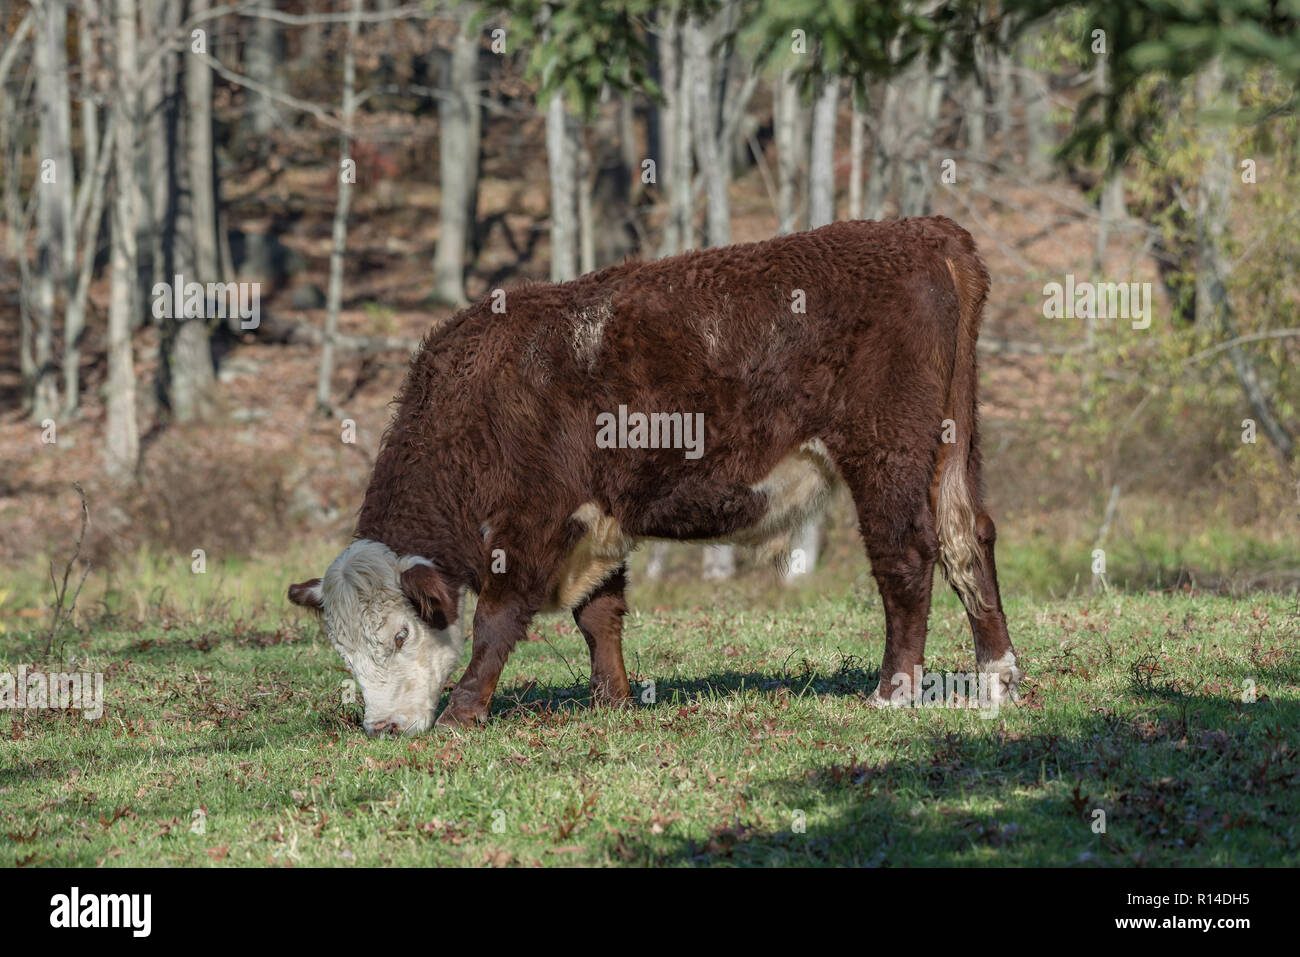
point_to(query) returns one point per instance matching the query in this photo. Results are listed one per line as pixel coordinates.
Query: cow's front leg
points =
(498, 625)
(600, 619)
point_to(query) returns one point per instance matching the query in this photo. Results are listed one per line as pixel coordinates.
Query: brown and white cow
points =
(844, 354)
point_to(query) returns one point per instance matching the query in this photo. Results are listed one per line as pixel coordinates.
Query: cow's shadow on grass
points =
(849, 679)
(1176, 775)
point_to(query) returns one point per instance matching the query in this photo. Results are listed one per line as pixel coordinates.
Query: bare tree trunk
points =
(76, 316)
(474, 96)
(151, 157)
(1004, 87)
(263, 56)
(10, 170)
(89, 194)
(198, 95)
(1111, 203)
(458, 152)
(56, 188)
(604, 202)
(666, 157)
(564, 225)
(821, 165)
(1038, 117)
(657, 561)
(312, 38)
(628, 141)
(11, 148)
(8, 57)
(88, 50)
(704, 110)
(925, 92)
(976, 129)
(739, 78)
(586, 222)
(183, 197)
(884, 151)
(719, 562)
(334, 297)
(785, 108)
(857, 146)
(1214, 198)
(914, 186)
(1110, 211)
(10, 167)
(683, 191)
(185, 382)
(122, 437)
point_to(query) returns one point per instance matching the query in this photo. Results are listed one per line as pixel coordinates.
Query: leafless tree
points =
(122, 438)
(857, 148)
(699, 46)
(564, 180)
(339, 243)
(1215, 95)
(789, 135)
(459, 134)
(56, 186)
(10, 168)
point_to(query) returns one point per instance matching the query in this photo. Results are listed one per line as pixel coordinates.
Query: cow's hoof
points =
(603, 697)
(1006, 675)
(878, 700)
(458, 719)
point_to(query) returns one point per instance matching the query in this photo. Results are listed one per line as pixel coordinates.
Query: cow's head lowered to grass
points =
(394, 621)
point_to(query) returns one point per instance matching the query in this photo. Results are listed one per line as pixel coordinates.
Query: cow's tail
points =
(960, 554)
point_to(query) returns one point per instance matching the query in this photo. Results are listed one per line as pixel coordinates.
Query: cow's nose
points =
(383, 727)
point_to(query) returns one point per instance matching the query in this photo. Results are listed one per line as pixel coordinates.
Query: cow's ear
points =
(433, 600)
(308, 594)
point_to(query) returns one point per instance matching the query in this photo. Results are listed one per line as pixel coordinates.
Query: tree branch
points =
(1237, 340)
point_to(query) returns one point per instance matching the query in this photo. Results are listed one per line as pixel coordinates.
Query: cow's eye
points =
(400, 638)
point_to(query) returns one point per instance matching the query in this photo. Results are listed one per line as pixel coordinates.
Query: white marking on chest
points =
(598, 554)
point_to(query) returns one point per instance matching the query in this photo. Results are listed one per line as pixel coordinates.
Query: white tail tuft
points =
(960, 554)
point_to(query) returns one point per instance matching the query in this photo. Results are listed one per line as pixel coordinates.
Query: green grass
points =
(1133, 706)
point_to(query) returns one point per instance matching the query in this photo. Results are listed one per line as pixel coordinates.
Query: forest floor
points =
(1156, 729)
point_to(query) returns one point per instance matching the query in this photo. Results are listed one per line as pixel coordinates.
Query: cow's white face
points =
(395, 624)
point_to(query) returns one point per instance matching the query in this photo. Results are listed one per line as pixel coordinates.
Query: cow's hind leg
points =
(993, 651)
(600, 619)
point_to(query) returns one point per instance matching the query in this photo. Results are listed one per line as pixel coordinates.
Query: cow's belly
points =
(797, 489)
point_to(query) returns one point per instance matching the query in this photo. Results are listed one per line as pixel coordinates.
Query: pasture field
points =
(230, 742)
